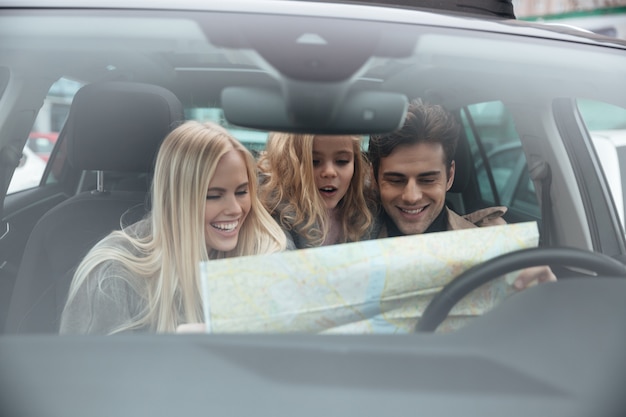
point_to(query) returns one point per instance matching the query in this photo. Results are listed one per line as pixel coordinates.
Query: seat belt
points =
(541, 173)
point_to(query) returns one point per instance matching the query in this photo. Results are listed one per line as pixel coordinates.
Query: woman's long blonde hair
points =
(169, 255)
(289, 191)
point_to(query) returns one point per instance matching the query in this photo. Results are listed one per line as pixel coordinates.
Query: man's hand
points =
(532, 276)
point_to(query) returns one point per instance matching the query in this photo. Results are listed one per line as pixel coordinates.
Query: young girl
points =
(314, 186)
(205, 206)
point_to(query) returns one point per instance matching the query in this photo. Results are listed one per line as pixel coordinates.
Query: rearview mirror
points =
(314, 110)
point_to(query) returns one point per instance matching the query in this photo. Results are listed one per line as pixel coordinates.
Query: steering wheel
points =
(441, 304)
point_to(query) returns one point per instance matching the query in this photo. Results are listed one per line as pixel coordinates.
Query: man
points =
(413, 170)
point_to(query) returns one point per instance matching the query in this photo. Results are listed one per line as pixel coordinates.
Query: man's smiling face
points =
(413, 181)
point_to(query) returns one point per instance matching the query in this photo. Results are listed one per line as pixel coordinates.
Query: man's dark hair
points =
(424, 123)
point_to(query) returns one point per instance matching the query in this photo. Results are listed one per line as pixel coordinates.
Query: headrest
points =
(118, 126)
(462, 166)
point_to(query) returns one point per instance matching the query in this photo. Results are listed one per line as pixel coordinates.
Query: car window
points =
(28, 173)
(500, 162)
(43, 137)
(606, 124)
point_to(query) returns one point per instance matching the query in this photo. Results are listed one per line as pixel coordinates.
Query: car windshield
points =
(429, 187)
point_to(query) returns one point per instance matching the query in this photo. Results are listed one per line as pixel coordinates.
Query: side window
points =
(499, 160)
(43, 136)
(606, 124)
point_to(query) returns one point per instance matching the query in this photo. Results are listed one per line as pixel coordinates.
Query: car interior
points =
(113, 131)
(251, 85)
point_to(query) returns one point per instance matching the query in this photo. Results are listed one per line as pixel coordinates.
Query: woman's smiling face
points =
(227, 202)
(333, 167)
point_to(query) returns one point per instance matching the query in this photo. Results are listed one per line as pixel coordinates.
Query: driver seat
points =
(112, 127)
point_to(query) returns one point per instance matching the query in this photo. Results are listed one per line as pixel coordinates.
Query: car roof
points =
(353, 10)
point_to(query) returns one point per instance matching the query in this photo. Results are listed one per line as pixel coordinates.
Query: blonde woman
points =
(314, 186)
(204, 206)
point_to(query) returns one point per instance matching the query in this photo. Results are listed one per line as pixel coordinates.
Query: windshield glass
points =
(193, 193)
(294, 80)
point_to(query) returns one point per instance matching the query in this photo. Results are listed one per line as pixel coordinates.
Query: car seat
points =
(111, 126)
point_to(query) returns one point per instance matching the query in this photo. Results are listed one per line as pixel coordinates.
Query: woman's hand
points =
(191, 328)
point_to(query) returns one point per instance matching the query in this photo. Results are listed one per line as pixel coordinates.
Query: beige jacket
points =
(490, 216)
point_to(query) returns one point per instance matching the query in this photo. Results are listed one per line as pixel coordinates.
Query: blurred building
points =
(535, 8)
(604, 17)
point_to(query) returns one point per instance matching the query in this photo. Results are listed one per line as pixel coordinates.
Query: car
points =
(42, 143)
(610, 23)
(323, 67)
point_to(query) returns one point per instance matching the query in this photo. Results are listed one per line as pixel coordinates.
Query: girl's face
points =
(333, 167)
(227, 202)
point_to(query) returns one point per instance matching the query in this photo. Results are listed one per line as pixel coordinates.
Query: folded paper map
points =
(375, 286)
